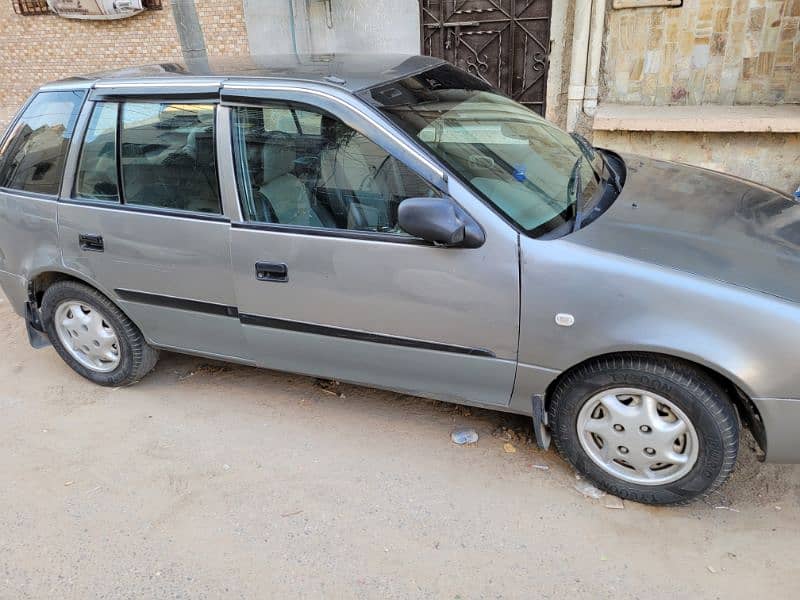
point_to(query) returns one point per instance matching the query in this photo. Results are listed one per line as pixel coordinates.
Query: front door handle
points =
(91, 242)
(268, 271)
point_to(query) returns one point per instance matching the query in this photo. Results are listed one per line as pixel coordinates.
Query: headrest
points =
(332, 129)
(278, 158)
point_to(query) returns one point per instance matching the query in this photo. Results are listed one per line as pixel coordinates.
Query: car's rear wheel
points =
(93, 336)
(645, 427)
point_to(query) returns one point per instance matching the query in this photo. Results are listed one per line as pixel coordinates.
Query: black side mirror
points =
(440, 221)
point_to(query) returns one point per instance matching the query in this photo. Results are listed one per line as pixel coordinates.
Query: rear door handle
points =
(91, 242)
(268, 271)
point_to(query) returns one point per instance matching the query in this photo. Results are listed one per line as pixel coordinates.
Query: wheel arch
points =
(38, 284)
(742, 402)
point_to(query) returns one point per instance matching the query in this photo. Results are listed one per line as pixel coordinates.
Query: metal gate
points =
(504, 42)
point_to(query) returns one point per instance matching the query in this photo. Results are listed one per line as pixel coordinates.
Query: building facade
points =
(709, 82)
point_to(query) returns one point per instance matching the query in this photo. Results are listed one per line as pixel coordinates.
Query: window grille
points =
(30, 7)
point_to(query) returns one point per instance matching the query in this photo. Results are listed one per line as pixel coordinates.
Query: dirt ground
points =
(215, 481)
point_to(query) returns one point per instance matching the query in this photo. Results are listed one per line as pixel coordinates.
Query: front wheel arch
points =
(745, 407)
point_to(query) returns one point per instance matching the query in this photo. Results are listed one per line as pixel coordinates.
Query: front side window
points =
(97, 167)
(298, 166)
(532, 171)
(32, 156)
(168, 157)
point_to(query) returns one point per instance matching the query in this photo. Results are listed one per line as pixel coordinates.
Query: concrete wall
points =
(382, 26)
(769, 158)
(705, 52)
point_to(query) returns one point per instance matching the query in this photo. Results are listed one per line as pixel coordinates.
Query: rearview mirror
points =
(439, 221)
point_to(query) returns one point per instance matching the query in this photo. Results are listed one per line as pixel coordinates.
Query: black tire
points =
(137, 357)
(695, 393)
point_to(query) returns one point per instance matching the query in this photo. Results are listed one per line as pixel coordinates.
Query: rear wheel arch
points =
(38, 284)
(745, 407)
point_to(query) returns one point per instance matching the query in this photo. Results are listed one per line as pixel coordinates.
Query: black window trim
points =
(119, 100)
(12, 126)
(73, 193)
(332, 232)
(146, 210)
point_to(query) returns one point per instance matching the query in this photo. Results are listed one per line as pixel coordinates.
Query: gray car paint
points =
(666, 276)
(28, 241)
(702, 222)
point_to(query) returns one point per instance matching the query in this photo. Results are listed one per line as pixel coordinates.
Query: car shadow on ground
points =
(752, 483)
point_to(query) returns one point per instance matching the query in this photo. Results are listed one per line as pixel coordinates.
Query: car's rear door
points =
(326, 283)
(141, 215)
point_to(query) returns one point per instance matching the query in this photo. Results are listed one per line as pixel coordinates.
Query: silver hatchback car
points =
(396, 222)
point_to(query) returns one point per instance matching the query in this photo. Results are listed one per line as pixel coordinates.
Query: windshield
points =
(537, 175)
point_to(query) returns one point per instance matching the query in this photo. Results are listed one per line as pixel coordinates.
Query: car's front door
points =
(143, 219)
(326, 282)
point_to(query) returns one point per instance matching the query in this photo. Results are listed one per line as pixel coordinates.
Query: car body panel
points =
(350, 72)
(170, 257)
(621, 304)
(15, 288)
(28, 234)
(705, 223)
(405, 294)
(781, 419)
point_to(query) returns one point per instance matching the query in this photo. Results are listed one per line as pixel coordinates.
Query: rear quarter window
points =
(32, 155)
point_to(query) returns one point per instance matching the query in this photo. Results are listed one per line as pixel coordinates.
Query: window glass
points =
(535, 173)
(292, 120)
(167, 156)
(32, 156)
(324, 174)
(97, 168)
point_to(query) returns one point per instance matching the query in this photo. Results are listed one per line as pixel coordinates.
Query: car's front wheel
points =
(645, 427)
(93, 336)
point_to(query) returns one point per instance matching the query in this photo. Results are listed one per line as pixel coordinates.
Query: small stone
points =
(226, 467)
(711, 569)
(587, 489)
(509, 448)
(68, 483)
(615, 503)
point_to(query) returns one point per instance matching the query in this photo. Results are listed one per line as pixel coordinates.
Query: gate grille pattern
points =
(504, 42)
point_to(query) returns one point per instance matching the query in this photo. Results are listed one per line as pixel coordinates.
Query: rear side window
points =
(97, 168)
(167, 156)
(32, 156)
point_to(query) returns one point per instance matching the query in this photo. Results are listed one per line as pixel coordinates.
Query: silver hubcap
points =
(87, 336)
(637, 436)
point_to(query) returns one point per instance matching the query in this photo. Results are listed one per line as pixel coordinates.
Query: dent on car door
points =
(144, 220)
(328, 284)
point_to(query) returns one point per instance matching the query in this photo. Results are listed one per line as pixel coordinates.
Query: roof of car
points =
(353, 72)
